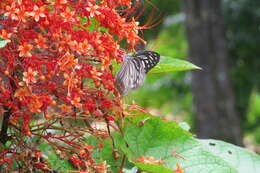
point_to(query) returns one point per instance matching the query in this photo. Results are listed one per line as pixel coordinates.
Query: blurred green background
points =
(170, 94)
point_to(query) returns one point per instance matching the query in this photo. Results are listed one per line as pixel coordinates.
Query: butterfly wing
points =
(131, 75)
(132, 72)
(149, 59)
(138, 74)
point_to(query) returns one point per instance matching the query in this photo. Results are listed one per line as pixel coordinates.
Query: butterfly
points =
(132, 73)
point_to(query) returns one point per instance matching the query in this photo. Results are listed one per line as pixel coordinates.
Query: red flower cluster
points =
(83, 161)
(57, 65)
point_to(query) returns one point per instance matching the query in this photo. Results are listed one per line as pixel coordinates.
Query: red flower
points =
(75, 160)
(58, 66)
(110, 117)
(108, 81)
(106, 103)
(90, 105)
(38, 154)
(98, 114)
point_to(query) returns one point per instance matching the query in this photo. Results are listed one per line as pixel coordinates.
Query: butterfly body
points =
(133, 70)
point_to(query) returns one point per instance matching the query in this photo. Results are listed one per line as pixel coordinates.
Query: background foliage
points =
(173, 91)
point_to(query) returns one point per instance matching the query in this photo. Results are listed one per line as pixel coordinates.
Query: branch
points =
(7, 113)
(5, 123)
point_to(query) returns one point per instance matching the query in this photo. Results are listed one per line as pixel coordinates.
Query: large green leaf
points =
(168, 64)
(242, 160)
(165, 140)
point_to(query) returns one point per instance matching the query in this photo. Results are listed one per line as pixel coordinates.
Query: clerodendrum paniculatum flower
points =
(57, 67)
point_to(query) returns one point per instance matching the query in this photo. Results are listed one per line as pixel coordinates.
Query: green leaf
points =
(92, 27)
(58, 163)
(149, 136)
(237, 157)
(168, 64)
(101, 28)
(55, 161)
(153, 168)
(83, 20)
(184, 126)
(116, 66)
(3, 42)
(132, 170)
(105, 153)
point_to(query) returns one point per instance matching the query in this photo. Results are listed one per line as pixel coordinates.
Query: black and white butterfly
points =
(132, 72)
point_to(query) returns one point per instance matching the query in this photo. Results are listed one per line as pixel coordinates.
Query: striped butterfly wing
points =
(132, 72)
(130, 76)
(149, 59)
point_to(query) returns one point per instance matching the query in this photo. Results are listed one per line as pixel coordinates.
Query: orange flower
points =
(178, 169)
(57, 2)
(62, 1)
(149, 160)
(67, 61)
(19, 2)
(37, 12)
(92, 9)
(11, 11)
(21, 92)
(70, 81)
(102, 167)
(4, 34)
(68, 15)
(95, 74)
(76, 102)
(64, 108)
(25, 49)
(74, 45)
(35, 103)
(84, 46)
(29, 76)
(21, 14)
(41, 42)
